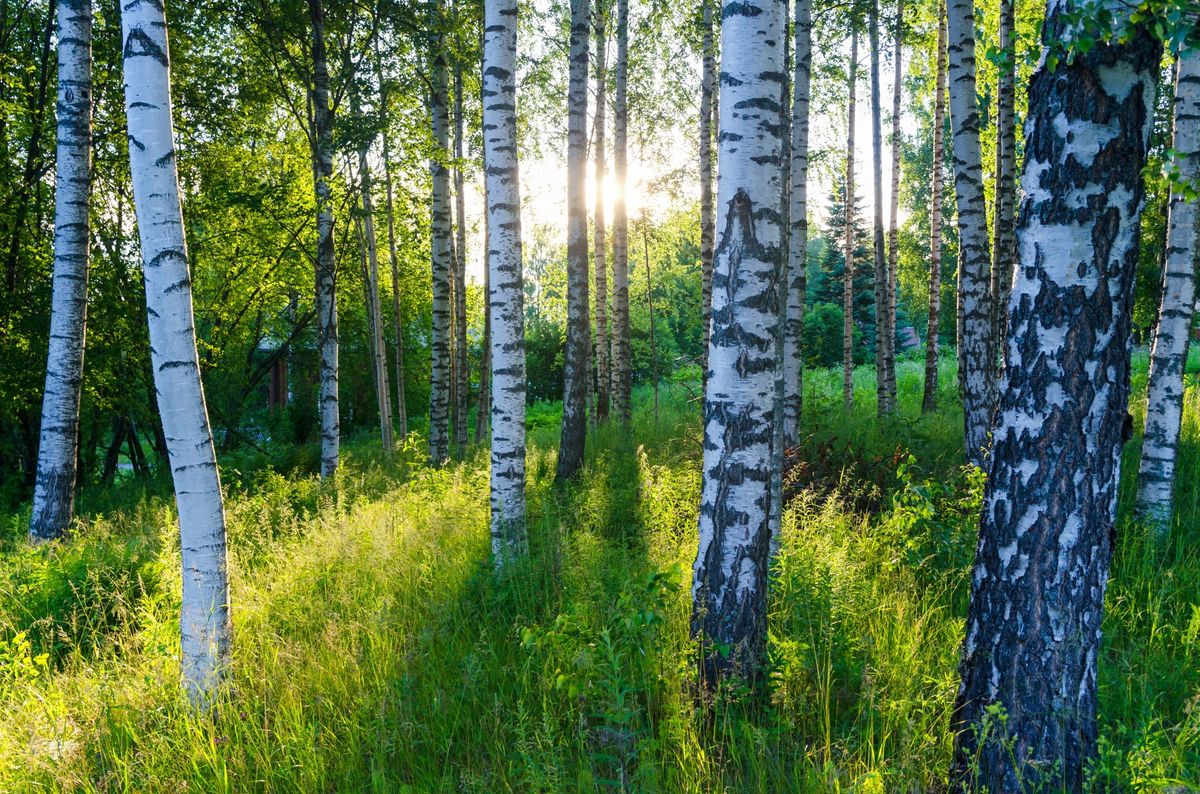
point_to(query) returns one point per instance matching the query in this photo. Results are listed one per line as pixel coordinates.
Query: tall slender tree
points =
(729, 587)
(1164, 396)
(462, 378)
(54, 488)
(393, 256)
(929, 400)
(204, 614)
(1033, 628)
(575, 365)
(600, 226)
(893, 264)
(1003, 231)
(622, 364)
(375, 313)
(797, 282)
(882, 303)
(441, 254)
(848, 243)
(708, 88)
(976, 351)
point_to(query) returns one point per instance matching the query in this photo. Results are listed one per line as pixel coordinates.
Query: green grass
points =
(377, 651)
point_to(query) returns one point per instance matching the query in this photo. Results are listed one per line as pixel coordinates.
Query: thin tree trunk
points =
(1164, 395)
(1045, 544)
(883, 406)
(622, 363)
(889, 365)
(54, 489)
(729, 588)
(650, 308)
(797, 281)
(708, 87)
(600, 228)
(484, 402)
(378, 346)
(326, 264)
(779, 298)
(848, 243)
(462, 378)
(1003, 233)
(394, 259)
(204, 616)
(933, 330)
(441, 369)
(577, 354)
(976, 348)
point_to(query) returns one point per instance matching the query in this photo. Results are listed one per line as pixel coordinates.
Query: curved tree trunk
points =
(505, 306)
(976, 351)
(600, 227)
(1164, 397)
(621, 364)
(848, 243)
(797, 279)
(883, 405)
(54, 489)
(1003, 233)
(441, 262)
(1045, 542)
(575, 365)
(889, 370)
(708, 87)
(204, 615)
(933, 330)
(729, 587)
(326, 264)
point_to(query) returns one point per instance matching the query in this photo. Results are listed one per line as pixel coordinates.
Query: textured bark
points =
(506, 304)
(889, 369)
(378, 345)
(600, 226)
(326, 264)
(394, 260)
(708, 87)
(58, 447)
(622, 364)
(204, 615)
(729, 587)
(933, 330)
(578, 350)
(882, 399)
(483, 402)
(441, 262)
(797, 282)
(462, 378)
(1003, 232)
(976, 351)
(1045, 544)
(1164, 397)
(775, 516)
(848, 242)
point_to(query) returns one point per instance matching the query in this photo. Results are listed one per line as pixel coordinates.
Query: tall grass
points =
(376, 650)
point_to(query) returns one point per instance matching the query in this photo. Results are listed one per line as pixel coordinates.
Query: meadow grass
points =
(376, 649)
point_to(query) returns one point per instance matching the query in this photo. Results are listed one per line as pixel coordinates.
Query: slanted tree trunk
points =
(883, 405)
(578, 349)
(1003, 232)
(933, 330)
(797, 281)
(441, 260)
(462, 377)
(204, 616)
(54, 489)
(621, 354)
(976, 350)
(708, 87)
(326, 264)
(600, 227)
(889, 364)
(375, 313)
(1045, 542)
(729, 588)
(1164, 395)
(507, 292)
(848, 243)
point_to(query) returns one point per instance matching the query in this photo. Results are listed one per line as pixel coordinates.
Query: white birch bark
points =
(797, 280)
(1003, 231)
(730, 574)
(204, 615)
(58, 443)
(883, 406)
(621, 355)
(378, 347)
(848, 242)
(708, 87)
(1164, 397)
(507, 292)
(441, 263)
(933, 329)
(600, 225)
(462, 378)
(893, 261)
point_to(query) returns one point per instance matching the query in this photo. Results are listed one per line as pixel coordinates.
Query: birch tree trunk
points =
(578, 349)
(729, 587)
(600, 227)
(462, 379)
(507, 291)
(1003, 232)
(848, 242)
(1164, 396)
(622, 364)
(976, 351)
(708, 76)
(1045, 544)
(379, 349)
(394, 260)
(326, 264)
(484, 401)
(933, 330)
(58, 446)
(797, 279)
(204, 615)
(889, 370)
(441, 261)
(883, 406)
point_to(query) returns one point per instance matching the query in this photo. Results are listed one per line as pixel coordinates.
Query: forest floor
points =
(375, 650)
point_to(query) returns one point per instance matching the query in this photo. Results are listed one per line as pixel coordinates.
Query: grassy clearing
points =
(376, 651)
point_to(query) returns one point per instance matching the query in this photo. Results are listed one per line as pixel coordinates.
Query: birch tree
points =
(708, 76)
(462, 380)
(1046, 536)
(929, 400)
(58, 443)
(393, 256)
(204, 614)
(1003, 233)
(729, 587)
(378, 348)
(1164, 395)
(883, 405)
(793, 353)
(975, 350)
(893, 262)
(577, 354)
(506, 300)
(622, 363)
(848, 243)
(600, 228)
(441, 259)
